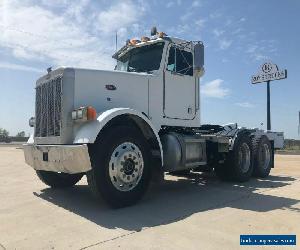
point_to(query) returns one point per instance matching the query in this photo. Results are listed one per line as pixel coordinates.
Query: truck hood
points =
(106, 89)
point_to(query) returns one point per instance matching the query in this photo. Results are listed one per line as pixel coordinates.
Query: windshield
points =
(141, 59)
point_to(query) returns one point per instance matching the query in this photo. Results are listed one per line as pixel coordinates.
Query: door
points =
(179, 85)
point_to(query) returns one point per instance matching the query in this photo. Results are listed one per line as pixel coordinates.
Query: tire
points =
(239, 164)
(58, 180)
(120, 166)
(263, 160)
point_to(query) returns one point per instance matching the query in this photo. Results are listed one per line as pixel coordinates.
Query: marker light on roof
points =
(134, 41)
(145, 39)
(161, 34)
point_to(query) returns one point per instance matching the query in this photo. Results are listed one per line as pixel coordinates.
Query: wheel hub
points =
(126, 166)
(244, 157)
(265, 156)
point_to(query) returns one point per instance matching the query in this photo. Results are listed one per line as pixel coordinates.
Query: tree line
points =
(5, 133)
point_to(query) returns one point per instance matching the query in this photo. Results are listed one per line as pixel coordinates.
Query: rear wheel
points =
(120, 166)
(58, 180)
(263, 159)
(239, 164)
(241, 159)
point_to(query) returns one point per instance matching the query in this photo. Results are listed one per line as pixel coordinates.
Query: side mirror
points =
(199, 59)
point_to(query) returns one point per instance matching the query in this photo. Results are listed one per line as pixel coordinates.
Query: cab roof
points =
(129, 46)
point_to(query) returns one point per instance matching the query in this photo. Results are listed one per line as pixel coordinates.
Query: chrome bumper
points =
(58, 158)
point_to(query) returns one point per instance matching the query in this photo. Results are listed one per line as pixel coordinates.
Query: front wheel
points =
(120, 166)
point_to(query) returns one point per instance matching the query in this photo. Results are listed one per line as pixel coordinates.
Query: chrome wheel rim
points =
(126, 166)
(244, 157)
(265, 156)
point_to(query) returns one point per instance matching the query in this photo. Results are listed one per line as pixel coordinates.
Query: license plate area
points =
(45, 156)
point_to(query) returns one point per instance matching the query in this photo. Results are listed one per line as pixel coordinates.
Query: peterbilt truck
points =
(123, 128)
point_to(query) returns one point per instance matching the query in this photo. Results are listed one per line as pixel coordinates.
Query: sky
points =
(239, 36)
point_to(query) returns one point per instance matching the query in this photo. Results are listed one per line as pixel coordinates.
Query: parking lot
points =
(197, 212)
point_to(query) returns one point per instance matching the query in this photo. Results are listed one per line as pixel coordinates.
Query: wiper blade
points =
(131, 69)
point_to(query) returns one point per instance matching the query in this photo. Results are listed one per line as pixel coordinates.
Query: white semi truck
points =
(124, 127)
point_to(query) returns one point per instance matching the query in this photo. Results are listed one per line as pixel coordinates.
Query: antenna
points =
(299, 126)
(116, 40)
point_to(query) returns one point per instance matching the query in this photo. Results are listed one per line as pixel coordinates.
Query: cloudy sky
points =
(238, 35)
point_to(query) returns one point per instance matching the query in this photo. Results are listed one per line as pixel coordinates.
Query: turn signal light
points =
(134, 41)
(91, 113)
(84, 114)
(161, 34)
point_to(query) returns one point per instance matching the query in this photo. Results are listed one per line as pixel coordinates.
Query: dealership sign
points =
(269, 72)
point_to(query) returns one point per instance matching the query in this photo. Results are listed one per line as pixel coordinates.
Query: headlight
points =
(80, 113)
(31, 122)
(84, 114)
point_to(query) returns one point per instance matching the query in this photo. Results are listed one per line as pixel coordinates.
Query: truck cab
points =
(169, 65)
(123, 127)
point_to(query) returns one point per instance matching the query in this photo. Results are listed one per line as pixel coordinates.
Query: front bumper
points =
(58, 158)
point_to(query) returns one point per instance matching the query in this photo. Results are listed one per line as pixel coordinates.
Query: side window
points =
(180, 61)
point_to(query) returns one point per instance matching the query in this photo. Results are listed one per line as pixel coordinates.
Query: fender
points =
(232, 130)
(87, 132)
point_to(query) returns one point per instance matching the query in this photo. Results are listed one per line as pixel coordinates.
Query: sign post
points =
(269, 72)
(299, 126)
(268, 107)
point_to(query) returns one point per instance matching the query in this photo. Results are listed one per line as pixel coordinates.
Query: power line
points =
(37, 35)
(31, 34)
(47, 38)
(43, 52)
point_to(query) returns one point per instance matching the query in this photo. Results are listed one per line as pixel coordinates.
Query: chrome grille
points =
(48, 108)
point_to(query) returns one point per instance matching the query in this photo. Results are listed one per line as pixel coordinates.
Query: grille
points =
(48, 108)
